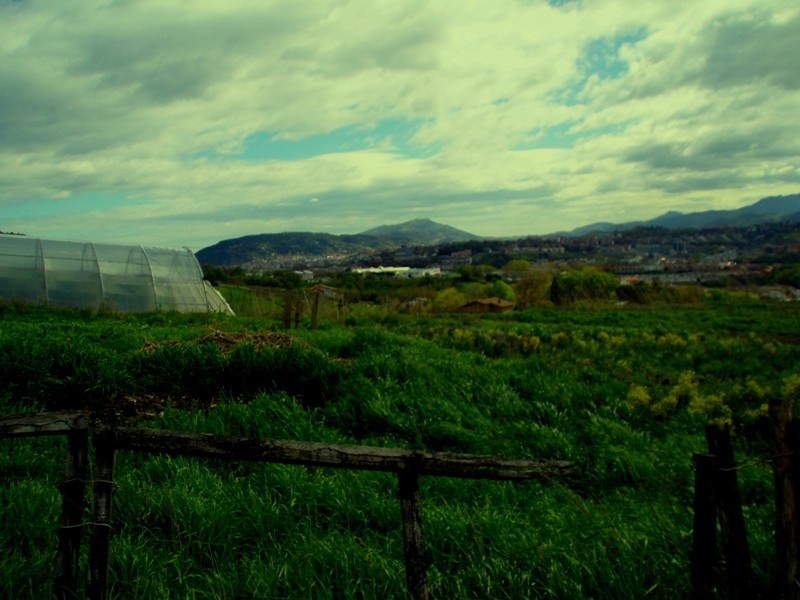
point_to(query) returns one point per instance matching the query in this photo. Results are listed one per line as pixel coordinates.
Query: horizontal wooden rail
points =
(409, 465)
(334, 455)
(54, 423)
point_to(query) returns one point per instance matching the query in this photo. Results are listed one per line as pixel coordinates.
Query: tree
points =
(475, 272)
(533, 289)
(502, 290)
(788, 275)
(585, 284)
(215, 275)
(448, 299)
(517, 269)
(474, 290)
(349, 280)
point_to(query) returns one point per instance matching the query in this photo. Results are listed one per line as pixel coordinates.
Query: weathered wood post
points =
(73, 490)
(298, 309)
(74, 426)
(703, 554)
(315, 310)
(104, 448)
(288, 299)
(731, 518)
(786, 472)
(413, 545)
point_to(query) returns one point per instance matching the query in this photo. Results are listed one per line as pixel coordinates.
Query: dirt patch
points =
(226, 341)
(145, 407)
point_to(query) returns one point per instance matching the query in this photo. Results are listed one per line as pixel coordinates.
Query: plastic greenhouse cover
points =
(86, 275)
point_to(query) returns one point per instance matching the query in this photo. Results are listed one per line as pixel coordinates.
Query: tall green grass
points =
(593, 387)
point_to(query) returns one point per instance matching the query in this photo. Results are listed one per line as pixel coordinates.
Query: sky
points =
(167, 123)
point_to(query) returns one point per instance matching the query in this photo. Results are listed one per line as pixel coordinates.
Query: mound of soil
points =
(226, 341)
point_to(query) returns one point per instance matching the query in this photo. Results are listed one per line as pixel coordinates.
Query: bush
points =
(448, 299)
(586, 284)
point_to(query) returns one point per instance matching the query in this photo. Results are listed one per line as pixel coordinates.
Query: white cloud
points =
(697, 110)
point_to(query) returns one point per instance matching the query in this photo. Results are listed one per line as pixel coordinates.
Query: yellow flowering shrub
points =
(791, 387)
(638, 395)
(673, 340)
(713, 406)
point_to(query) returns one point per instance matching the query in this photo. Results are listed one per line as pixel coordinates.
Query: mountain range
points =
(766, 210)
(266, 247)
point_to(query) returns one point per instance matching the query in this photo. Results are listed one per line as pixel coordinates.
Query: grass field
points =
(623, 392)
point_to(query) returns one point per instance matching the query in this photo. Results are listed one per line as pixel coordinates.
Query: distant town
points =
(758, 255)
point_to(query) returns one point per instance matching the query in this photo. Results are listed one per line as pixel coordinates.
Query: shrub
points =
(586, 284)
(448, 299)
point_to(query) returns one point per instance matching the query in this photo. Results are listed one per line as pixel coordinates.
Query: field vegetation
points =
(623, 391)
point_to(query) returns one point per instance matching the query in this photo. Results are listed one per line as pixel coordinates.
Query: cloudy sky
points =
(182, 123)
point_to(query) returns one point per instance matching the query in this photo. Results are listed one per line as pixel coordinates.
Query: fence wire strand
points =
(752, 462)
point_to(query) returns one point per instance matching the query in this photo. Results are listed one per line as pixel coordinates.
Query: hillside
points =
(252, 249)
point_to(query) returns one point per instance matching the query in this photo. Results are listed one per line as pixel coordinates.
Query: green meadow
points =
(623, 392)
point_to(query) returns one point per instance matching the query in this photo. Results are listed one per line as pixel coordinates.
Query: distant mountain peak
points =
(775, 205)
(421, 231)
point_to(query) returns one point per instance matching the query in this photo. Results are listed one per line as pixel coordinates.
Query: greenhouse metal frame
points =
(115, 277)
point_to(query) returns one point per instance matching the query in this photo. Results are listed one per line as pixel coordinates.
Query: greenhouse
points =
(115, 277)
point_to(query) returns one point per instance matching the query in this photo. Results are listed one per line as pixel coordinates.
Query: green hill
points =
(252, 248)
(243, 250)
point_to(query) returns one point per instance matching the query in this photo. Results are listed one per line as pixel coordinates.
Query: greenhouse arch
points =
(118, 277)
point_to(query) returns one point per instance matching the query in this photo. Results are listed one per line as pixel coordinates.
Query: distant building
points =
(453, 262)
(399, 272)
(382, 271)
(305, 275)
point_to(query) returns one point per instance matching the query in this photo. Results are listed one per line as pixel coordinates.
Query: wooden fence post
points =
(74, 426)
(731, 518)
(786, 471)
(101, 529)
(74, 498)
(414, 548)
(703, 554)
(288, 299)
(298, 309)
(315, 310)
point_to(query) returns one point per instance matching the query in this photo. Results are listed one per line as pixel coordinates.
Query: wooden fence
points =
(106, 440)
(723, 568)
